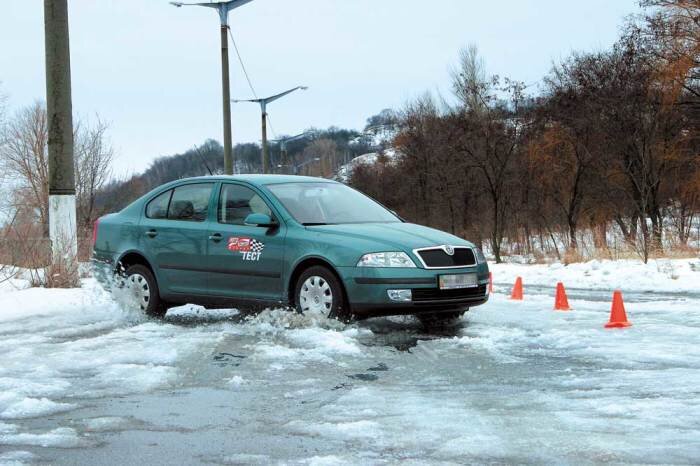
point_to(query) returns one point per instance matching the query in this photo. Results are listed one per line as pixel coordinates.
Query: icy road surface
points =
(84, 381)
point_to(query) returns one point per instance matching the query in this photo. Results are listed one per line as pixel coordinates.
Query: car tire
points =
(141, 277)
(319, 290)
(440, 319)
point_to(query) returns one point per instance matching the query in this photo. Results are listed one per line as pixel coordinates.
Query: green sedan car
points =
(310, 243)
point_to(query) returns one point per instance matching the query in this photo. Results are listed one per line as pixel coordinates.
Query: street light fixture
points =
(263, 109)
(223, 8)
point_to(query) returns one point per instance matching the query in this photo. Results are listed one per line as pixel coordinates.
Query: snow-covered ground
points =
(661, 275)
(86, 380)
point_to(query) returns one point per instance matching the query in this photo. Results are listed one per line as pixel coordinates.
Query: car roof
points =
(262, 179)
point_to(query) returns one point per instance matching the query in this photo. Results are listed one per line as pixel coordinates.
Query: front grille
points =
(436, 294)
(438, 258)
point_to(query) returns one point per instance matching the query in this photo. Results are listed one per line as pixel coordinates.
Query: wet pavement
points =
(93, 383)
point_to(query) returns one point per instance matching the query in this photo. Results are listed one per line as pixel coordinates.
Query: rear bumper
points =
(367, 290)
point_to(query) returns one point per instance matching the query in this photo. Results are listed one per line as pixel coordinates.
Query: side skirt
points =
(223, 301)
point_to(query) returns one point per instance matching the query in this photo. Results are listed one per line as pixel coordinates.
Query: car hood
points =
(396, 236)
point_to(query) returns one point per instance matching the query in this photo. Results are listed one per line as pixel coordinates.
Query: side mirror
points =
(259, 220)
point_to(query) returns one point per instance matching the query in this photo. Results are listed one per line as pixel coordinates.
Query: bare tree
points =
(3, 106)
(672, 32)
(93, 162)
(493, 132)
(24, 160)
(469, 79)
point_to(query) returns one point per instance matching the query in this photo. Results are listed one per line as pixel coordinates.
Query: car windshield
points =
(329, 203)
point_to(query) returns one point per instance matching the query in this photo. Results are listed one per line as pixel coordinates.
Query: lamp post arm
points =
(222, 7)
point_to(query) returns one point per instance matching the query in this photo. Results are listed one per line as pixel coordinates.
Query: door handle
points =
(216, 237)
(151, 233)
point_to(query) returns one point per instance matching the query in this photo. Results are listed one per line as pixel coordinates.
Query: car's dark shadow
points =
(404, 333)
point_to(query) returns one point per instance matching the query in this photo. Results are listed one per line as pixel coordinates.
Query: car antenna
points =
(204, 160)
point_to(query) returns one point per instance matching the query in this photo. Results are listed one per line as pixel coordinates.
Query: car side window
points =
(157, 208)
(190, 202)
(236, 202)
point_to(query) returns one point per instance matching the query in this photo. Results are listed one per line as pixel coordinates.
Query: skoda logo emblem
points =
(449, 250)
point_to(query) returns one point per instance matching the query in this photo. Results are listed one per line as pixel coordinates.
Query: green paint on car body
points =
(246, 238)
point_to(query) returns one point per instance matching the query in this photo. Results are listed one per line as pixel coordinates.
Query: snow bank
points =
(197, 313)
(662, 275)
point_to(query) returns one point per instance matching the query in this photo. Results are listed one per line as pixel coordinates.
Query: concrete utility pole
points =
(263, 109)
(223, 8)
(62, 212)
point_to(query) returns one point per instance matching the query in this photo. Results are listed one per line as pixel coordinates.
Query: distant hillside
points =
(318, 152)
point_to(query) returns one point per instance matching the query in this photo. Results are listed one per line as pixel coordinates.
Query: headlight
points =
(480, 258)
(386, 259)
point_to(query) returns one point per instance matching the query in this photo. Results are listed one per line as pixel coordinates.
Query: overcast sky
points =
(152, 71)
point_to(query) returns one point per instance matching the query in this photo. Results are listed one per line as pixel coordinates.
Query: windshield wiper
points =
(314, 224)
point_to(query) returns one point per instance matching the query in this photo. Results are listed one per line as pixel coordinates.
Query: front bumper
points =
(367, 290)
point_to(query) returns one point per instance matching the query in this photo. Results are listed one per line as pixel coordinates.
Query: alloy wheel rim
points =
(316, 295)
(140, 290)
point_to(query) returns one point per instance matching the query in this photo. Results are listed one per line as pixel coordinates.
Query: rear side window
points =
(158, 207)
(190, 202)
(237, 202)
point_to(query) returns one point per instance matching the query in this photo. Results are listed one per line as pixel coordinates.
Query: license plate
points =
(462, 280)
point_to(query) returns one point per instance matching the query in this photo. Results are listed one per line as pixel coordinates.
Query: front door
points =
(245, 261)
(174, 235)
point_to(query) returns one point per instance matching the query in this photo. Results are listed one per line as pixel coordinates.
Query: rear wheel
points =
(142, 286)
(319, 290)
(440, 319)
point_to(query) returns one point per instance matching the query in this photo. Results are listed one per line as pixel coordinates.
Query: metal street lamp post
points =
(263, 109)
(223, 8)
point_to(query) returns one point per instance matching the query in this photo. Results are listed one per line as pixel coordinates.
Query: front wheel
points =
(319, 290)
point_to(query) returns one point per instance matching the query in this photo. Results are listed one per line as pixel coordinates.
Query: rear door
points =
(174, 235)
(245, 261)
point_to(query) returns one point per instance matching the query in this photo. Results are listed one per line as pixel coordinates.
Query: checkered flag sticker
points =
(256, 246)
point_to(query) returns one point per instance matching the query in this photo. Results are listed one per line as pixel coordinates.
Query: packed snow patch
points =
(237, 381)
(62, 437)
(111, 424)
(354, 430)
(17, 458)
(31, 407)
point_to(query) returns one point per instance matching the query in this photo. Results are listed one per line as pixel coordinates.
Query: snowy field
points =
(85, 380)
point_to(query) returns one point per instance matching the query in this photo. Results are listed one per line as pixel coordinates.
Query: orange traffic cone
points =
(490, 282)
(517, 290)
(618, 316)
(561, 302)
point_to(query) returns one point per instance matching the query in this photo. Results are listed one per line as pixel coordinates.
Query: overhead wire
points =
(247, 77)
